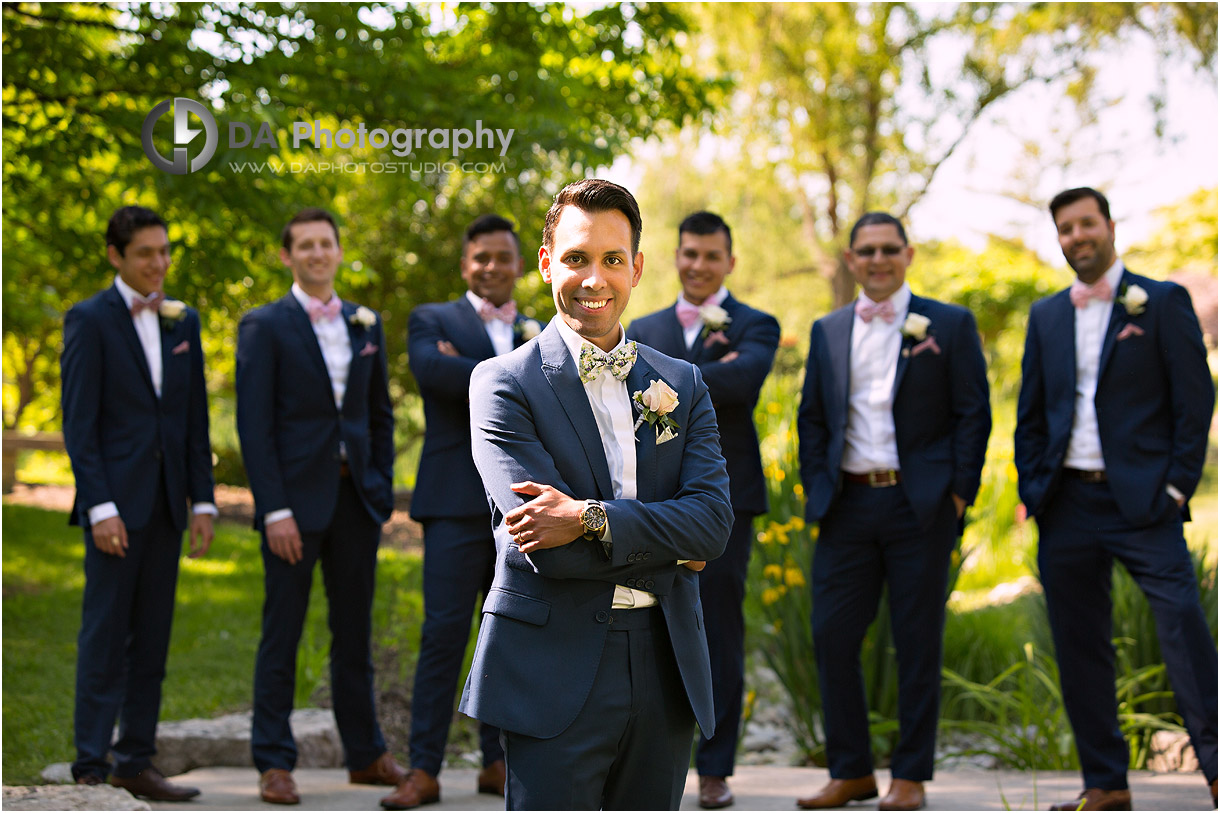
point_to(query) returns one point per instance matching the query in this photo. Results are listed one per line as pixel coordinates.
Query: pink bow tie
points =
(1080, 294)
(688, 314)
(867, 310)
(506, 313)
(320, 311)
(151, 302)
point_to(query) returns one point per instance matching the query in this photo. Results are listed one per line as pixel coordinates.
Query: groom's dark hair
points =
(489, 224)
(594, 195)
(1070, 196)
(125, 222)
(310, 215)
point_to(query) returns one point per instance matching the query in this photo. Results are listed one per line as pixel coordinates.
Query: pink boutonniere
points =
(180, 348)
(368, 349)
(1129, 330)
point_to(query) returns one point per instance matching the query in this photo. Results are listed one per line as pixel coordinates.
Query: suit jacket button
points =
(630, 583)
(647, 554)
(602, 616)
(631, 557)
(648, 584)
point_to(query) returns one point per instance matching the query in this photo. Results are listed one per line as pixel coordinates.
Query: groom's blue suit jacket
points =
(545, 618)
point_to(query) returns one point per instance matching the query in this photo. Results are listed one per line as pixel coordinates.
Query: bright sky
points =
(1122, 157)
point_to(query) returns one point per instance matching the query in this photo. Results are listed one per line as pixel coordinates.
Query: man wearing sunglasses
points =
(893, 428)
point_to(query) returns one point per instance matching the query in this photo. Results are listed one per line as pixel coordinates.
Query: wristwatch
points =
(593, 518)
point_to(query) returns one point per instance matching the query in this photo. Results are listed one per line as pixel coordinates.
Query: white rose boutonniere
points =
(1134, 299)
(655, 404)
(916, 326)
(714, 317)
(527, 329)
(171, 312)
(364, 317)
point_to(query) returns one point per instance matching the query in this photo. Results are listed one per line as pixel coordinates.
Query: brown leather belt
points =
(1086, 475)
(878, 478)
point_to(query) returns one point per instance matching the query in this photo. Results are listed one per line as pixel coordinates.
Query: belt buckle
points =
(1090, 476)
(874, 480)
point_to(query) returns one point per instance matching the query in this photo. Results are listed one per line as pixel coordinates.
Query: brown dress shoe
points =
(1098, 799)
(838, 792)
(276, 786)
(492, 778)
(89, 779)
(1212, 787)
(150, 784)
(904, 794)
(714, 793)
(383, 771)
(419, 788)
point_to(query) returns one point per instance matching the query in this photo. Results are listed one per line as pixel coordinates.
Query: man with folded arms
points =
(733, 345)
(1112, 421)
(893, 428)
(136, 430)
(317, 438)
(445, 341)
(602, 463)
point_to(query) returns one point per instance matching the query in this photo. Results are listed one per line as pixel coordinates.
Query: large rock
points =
(70, 797)
(1171, 751)
(225, 741)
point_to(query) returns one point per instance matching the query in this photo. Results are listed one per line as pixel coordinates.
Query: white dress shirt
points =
(692, 333)
(611, 405)
(1084, 445)
(336, 345)
(148, 330)
(871, 441)
(500, 333)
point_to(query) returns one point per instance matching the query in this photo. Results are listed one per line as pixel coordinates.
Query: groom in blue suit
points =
(317, 438)
(1112, 421)
(445, 342)
(733, 345)
(893, 428)
(602, 463)
(136, 429)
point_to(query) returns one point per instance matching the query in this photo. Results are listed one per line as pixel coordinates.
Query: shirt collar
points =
(900, 299)
(575, 341)
(714, 299)
(475, 300)
(126, 291)
(1114, 274)
(304, 298)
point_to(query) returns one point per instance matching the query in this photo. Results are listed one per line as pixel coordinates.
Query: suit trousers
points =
(459, 561)
(722, 588)
(126, 616)
(347, 550)
(1081, 533)
(870, 539)
(629, 747)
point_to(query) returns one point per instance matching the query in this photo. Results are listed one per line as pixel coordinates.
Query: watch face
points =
(593, 517)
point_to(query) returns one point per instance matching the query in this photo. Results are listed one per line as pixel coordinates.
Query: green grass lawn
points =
(216, 627)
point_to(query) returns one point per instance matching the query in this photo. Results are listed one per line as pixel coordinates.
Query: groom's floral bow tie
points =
(618, 363)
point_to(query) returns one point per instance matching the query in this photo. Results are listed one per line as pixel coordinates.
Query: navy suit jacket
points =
(120, 436)
(290, 428)
(1154, 400)
(942, 416)
(447, 484)
(544, 620)
(734, 385)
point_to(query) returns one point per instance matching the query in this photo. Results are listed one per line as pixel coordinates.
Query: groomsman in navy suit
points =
(445, 341)
(136, 429)
(893, 428)
(733, 345)
(1112, 422)
(602, 462)
(317, 437)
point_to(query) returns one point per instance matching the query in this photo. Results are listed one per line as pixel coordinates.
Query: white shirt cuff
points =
(101, 512)
(204, 508)
(276, 516)
(1173, 492)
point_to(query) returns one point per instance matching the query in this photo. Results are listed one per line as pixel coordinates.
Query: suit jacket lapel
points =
(638, 380)
(126, 327)
(560, 370)
(309, 340)
(904, 353)
(473, 324)
(1118, 317)
(838, 327)
(171, 337)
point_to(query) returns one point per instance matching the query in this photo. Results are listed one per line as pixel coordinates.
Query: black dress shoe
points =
(90, 779)
(150, 784)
